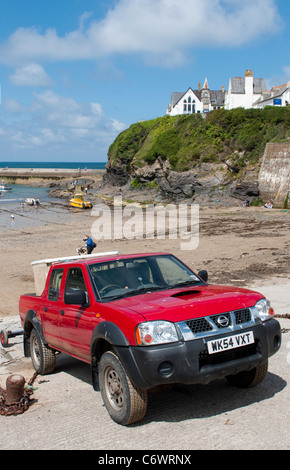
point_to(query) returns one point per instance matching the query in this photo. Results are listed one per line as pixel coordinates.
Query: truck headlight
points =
(156, 332)
(263, 310)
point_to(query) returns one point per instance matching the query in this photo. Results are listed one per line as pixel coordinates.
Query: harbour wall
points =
(274, 175)
(49, 173)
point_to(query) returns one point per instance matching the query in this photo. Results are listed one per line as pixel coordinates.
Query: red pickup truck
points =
(145, 320)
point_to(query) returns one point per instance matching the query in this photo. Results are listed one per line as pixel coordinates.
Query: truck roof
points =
(65, 259)
(106, 257)
(42, 267)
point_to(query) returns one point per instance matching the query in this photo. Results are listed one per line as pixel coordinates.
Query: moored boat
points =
(78, 201)
(4, 187)
(32, 201)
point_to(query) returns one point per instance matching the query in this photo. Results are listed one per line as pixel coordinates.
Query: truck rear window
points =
(54, 284)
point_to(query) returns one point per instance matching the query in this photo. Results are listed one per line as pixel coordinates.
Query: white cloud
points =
(12, 106)
(279, 78)
(31, 75)
(57, 121)
(157, 29)
(286, 71)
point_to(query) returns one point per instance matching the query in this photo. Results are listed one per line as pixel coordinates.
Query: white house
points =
(277, 96)
(244, 92)
(196, 101)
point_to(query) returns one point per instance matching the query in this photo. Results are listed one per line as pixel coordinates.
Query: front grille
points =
(242, 316)
(206, 359)
(211, 323)
(199, 325)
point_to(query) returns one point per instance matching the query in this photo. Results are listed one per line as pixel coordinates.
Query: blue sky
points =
(75, 73)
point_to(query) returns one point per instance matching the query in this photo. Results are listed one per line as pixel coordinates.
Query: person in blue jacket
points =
(89, 244)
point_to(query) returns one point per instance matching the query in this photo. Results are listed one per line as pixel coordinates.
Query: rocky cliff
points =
(201, 160)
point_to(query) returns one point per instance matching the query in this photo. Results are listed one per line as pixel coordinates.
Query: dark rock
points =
(245, 189)
(116, 175)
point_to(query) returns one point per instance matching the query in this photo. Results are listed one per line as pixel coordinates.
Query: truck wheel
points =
(125, 403)
(43, 358)
(249, 378)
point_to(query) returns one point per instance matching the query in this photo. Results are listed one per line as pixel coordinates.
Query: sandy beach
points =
(237, 246)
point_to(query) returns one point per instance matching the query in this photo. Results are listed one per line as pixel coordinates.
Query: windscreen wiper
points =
(142, 290)
(184, 284)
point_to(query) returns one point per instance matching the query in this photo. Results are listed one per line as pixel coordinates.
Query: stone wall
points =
(50, 173)
(274, 175)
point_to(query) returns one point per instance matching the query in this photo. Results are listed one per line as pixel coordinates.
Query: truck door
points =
(51, 309)
(76, 321)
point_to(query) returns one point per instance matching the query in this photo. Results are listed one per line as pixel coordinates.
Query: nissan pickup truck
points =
(144, 320)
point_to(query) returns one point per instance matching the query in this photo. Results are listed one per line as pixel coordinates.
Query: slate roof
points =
(217, 97)
(238, 85)
(175, 97)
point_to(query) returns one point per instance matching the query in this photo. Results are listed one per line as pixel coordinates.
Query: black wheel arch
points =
(106, 337)
(109, 337)
(31, 322)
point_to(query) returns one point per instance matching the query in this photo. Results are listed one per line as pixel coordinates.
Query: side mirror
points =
(75, 297)
(203, 275)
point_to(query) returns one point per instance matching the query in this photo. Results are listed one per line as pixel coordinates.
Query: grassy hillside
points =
(187, 140)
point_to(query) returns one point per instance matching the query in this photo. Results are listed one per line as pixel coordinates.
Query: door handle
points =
(45, 309)
(61, 312)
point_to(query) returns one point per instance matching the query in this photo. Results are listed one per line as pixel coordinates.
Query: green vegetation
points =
(257, 202)
(186, 140)
(285, 206)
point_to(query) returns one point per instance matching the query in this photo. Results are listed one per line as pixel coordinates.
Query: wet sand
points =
(237, 246)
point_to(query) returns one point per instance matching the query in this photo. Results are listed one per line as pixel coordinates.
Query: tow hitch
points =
(6, 334)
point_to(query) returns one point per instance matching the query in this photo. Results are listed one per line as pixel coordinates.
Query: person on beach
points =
(90, 244)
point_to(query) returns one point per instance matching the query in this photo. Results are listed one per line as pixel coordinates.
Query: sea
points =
(67, 165)
(15, 214)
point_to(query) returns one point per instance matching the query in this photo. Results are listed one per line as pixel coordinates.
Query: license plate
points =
(230, 342)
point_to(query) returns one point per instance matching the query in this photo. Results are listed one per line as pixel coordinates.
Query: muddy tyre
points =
(125, 403)
(42, 357)
(249, 378)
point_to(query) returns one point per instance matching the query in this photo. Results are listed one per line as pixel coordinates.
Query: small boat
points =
(4, 187)
(78, 201)
(31, 201)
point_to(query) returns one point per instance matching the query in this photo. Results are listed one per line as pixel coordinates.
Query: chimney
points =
(223, 89)
(198, 86)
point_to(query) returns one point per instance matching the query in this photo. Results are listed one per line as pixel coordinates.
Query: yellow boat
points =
(78, 201)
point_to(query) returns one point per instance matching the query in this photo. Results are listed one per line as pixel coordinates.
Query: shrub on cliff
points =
(187, 140)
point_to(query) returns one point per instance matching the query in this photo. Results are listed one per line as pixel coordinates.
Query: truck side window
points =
(75, 280)
(54, 284)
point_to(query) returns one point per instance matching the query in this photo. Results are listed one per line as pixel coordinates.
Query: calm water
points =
(20, 192)
(69, 165)
(16, 215)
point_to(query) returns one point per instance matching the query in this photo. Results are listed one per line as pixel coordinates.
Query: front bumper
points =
(188, 362)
